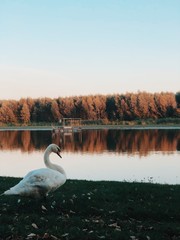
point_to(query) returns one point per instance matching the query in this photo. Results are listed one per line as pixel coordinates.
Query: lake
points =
(150, 155)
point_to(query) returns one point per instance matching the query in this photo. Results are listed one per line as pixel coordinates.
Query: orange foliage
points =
(129, 106)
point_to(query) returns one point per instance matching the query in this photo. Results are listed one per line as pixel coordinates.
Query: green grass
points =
(175, 121)
(93, 210)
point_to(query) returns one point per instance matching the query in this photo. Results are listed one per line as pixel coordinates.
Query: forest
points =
(103, 108)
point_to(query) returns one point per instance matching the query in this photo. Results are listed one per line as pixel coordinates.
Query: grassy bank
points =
(93, 210)
(101, 124)
(92, 127)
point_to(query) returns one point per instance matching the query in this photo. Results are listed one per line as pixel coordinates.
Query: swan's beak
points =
(58, 153)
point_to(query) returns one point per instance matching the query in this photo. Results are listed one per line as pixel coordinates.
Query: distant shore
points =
(92, 127)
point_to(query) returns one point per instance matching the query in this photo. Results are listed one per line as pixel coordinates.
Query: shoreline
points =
(92, 127)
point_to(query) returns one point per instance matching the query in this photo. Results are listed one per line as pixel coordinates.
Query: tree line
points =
(117, 107)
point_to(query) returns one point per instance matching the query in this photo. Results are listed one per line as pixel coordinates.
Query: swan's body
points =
(40, 182)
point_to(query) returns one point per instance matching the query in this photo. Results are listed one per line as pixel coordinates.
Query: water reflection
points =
(141, 142)
(26, 141)
(130, 155)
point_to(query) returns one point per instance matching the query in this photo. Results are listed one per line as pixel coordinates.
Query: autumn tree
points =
(55, 111)
(80, 105)
(177, 97)
(99, 106)
(25, 113)
(6, 113)
(111, 108)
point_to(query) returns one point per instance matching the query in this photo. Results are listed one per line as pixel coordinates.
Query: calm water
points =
(122, 155)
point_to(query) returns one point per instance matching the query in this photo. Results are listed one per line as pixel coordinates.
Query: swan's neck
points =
(51, 165)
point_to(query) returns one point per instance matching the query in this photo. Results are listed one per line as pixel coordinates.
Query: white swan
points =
(40, 182)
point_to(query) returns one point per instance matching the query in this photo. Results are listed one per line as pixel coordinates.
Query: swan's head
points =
(56, 149)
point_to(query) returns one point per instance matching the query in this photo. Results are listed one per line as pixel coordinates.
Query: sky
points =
(59, 48)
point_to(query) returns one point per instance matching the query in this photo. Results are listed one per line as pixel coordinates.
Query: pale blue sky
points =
(52, 48)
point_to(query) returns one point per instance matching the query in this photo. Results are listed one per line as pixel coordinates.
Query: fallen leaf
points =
(113, 225)
(31, 235)
(116, 226)
(133, 237)
(53, 237)
(65, 235)
(34, 226)
(111, 212)
(95, 221)
(44, 208)
(71, 200)
(101, 237)
(86, 220)
(72, 211)
(46, 236)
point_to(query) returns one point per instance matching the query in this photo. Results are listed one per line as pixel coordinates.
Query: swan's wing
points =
(28, 186)
(47, 179)
(38, 183)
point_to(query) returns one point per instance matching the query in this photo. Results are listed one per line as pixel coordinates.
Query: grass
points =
(93, 210)
(175, 121)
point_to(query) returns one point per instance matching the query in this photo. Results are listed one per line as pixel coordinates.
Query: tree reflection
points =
(140, 142)
(26, 141)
